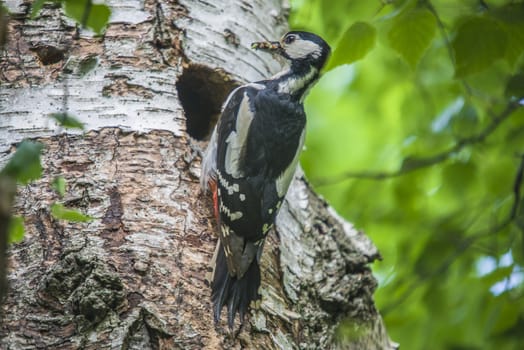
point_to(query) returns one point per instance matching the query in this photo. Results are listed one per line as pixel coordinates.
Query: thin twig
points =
(516, 189)
(447, 42)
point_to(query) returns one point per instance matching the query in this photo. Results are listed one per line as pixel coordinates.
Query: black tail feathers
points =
(237, 294)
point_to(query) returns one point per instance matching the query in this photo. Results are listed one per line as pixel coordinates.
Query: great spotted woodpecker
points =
(250, 162)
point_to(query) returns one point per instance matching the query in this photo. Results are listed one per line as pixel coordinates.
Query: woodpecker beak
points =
(268, 46)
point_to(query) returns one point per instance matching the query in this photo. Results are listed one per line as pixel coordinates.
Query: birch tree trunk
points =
(149, 91)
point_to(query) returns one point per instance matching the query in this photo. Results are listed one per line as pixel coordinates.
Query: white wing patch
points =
(285, 178)
(232, 216)
(209, 160)
(225, 184)
(236, 140)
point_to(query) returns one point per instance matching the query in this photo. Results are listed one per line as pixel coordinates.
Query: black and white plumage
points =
(250, 162)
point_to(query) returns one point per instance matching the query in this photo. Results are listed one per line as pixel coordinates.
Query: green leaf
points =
(4, 19)
(515, 46)
(511, 18)
(515, 86)
(459, 176)
(354, 44)
(36, 7)
(411, 34)
(497, 275)
(76, 9)
(58, 211)
(99, 18)
(24, 166)
(93, 16)
(479, 42)
(466, 122)
(67, 121)
(16, 229)
(59, 185)
(507, 316)
(87, 64)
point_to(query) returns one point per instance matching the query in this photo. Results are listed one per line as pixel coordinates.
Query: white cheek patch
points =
(302, 48)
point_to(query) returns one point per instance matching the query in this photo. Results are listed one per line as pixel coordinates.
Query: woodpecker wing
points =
(259, 137)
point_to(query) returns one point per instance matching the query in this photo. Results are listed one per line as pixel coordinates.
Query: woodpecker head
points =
(300, 48)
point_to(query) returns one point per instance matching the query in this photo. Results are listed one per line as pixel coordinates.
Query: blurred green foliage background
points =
(416, 135)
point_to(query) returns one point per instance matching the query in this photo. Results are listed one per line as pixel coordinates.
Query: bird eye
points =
(289, 39)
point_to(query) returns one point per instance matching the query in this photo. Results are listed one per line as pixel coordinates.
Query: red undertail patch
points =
(214, 189)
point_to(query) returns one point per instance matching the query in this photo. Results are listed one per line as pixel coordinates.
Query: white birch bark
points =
(135, 277)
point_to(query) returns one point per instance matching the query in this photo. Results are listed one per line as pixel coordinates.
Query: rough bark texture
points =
(135, 277)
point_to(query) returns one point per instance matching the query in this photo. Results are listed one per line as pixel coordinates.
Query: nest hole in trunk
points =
(202, 90)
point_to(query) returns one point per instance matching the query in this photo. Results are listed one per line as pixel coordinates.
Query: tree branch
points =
(466, 242)
(516, 189)
(411, 164)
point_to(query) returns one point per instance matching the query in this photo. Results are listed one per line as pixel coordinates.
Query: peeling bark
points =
(136, 276)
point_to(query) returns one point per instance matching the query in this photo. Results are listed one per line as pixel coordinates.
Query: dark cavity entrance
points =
(202, 91)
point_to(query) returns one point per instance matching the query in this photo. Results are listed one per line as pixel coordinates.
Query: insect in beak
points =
(269, 46)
